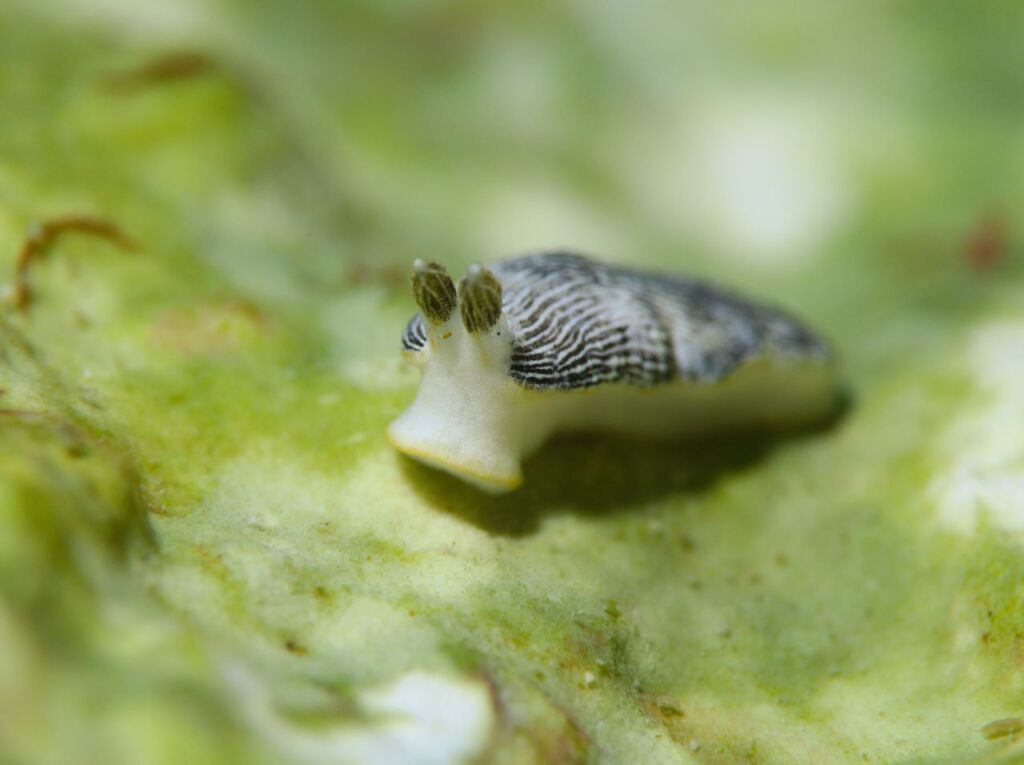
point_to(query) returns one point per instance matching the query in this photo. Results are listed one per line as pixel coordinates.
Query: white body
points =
(471, 419)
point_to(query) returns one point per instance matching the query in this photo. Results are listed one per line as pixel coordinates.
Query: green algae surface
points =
(208, 552)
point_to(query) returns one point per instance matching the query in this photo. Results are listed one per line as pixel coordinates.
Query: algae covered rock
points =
(208, 551)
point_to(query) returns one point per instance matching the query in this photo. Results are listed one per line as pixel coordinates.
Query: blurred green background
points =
(209, 554)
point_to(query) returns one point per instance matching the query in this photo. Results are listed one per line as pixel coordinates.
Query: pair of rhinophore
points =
(478, 298)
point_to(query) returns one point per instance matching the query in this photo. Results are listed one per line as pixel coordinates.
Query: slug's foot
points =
(491, 476)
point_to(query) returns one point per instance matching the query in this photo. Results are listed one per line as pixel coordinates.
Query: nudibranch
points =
(558, 342)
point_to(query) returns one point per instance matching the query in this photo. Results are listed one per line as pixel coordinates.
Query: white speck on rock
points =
(419, 719)
(355, 438)
(983, 453)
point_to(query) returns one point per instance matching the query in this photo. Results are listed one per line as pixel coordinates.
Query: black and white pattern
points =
(576, 323)
(415, 336)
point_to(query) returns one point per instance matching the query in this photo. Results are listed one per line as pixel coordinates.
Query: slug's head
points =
(461, 340)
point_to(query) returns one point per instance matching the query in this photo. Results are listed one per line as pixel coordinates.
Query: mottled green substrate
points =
(209, 554)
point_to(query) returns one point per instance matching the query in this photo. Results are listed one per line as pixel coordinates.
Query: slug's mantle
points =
(554, 342)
